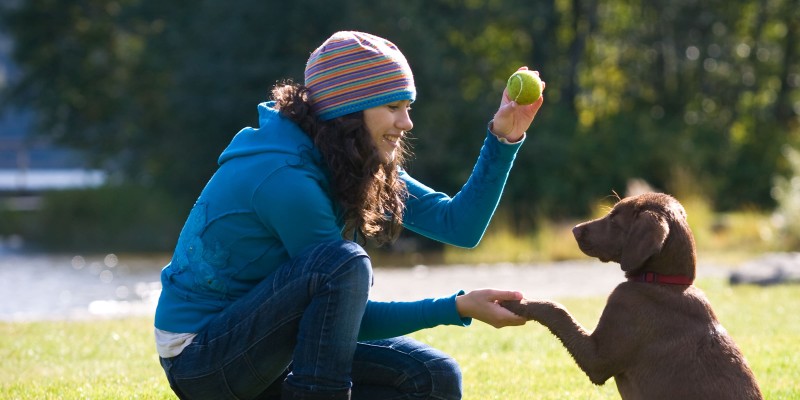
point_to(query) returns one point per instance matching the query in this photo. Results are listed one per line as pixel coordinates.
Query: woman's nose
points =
(404, 122)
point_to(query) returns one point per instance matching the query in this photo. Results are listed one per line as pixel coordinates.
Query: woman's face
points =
(387, 124)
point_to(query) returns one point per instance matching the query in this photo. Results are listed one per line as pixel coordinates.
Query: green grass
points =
(529, 363)
(115, 359)
(103, 359)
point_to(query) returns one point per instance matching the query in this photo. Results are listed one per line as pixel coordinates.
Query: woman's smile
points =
(387, 124)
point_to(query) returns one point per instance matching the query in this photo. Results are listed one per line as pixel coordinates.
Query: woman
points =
(266, 295)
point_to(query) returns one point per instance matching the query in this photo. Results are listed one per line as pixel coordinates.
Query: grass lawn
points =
(115, 359)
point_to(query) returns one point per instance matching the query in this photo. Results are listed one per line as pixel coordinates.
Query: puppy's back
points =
(688, 354)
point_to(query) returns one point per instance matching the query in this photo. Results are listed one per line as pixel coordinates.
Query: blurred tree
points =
(688, 95)
(81, 63)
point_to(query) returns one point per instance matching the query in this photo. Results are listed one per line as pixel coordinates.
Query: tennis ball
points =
(524, 87)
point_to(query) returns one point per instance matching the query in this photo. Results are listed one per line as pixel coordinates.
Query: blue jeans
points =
(299, 327)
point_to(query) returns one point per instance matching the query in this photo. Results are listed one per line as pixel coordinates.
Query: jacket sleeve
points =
(390, 319)
(293, 204)
(462, 220)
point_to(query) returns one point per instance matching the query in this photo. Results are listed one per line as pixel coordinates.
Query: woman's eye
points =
(397, 107)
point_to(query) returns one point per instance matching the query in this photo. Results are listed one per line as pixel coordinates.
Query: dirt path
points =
(45, 287)
(547, 280)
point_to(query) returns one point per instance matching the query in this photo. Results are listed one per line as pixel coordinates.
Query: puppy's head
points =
(645, 232)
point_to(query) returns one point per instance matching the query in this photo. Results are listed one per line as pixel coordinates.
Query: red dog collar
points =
(652, 277)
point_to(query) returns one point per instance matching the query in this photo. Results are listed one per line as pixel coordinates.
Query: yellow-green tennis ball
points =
(524, 87)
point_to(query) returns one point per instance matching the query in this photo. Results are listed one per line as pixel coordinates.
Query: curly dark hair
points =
(369, 192)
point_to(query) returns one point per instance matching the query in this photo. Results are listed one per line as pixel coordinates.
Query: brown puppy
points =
(657, 336)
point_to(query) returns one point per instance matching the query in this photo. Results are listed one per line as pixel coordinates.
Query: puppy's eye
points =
(613, 218)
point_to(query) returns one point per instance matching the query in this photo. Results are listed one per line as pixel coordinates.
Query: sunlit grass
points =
(103, 359)
(116, 359)
(729, 237)
(550, 242)
(529, 363)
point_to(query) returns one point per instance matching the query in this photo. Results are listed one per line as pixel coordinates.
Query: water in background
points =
(38, 286)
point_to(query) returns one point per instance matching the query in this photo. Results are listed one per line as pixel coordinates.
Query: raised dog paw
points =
(519, 307)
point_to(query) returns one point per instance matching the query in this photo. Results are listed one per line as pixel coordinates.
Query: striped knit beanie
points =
(354, 71)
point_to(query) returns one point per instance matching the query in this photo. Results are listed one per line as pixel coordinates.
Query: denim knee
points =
(446, 378)
(340, 258)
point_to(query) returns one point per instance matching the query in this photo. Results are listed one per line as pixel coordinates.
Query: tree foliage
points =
(662, 91)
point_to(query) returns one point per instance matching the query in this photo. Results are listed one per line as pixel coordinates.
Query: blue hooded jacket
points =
(269, 200)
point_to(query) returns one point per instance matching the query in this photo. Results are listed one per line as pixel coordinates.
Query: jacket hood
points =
(275, 134)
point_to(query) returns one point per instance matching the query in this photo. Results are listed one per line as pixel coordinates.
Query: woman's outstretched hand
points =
(512, 120)
(483, 305)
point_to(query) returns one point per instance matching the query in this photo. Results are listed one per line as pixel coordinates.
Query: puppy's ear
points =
(645, 238)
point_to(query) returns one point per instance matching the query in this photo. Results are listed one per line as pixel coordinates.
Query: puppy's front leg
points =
(578, 341)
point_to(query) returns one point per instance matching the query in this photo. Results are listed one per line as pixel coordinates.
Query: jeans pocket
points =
(236, 380)
(245, 380)
(210, 386)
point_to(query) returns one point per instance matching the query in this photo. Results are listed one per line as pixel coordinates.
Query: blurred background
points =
(113, 114)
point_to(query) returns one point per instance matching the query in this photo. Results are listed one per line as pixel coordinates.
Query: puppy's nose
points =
(577, 231)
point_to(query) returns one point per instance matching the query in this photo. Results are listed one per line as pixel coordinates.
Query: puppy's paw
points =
(519, 307)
